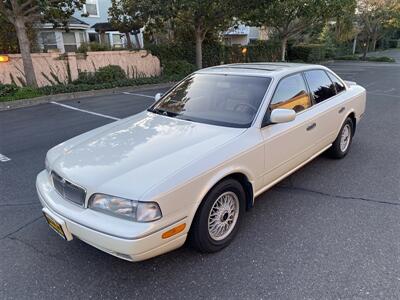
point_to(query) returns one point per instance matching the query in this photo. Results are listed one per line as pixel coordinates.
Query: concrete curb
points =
(77, 95)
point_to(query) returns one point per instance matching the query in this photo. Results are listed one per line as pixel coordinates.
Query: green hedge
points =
(16, 93)
(178, 67)
(309, 52)
(216, 53)
(368, 58)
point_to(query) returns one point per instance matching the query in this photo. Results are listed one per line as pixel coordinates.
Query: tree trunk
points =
(283, 48)
(25, 47)
(354, 45)
(373, 44)
(199, 49)
(137, 39)
(128, 40)
(366, 49)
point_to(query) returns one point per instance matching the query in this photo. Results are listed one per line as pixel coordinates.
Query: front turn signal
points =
(174, 231)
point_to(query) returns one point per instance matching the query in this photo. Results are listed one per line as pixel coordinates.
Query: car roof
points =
(276, 69)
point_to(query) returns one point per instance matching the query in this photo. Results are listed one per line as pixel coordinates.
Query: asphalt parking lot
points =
(329, 231)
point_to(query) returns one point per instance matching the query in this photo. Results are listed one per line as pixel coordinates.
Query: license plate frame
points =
(56, 226)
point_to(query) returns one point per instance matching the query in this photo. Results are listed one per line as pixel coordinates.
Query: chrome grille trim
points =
(68, 190)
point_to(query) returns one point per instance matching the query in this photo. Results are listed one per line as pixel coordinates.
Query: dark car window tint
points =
(291, 93)
(338, 84)
(225, 100)
(320, 85)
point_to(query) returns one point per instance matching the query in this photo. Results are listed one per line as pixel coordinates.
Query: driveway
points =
(331, 230)
(393, 53)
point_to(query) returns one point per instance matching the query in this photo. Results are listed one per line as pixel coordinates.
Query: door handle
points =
(341, 110)
(312, 126)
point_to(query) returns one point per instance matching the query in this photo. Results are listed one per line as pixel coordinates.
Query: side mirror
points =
(157, 97)
(282, 115)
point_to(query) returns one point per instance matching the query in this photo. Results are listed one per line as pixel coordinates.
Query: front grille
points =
(68, 190)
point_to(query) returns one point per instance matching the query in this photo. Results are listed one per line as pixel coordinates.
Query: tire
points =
(341, 145)
(204, 233)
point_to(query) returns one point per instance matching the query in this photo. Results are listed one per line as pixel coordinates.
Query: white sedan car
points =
(193, 163)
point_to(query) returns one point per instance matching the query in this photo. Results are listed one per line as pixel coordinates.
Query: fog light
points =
(174, 231)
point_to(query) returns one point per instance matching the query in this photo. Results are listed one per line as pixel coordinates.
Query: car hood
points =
(135, 154)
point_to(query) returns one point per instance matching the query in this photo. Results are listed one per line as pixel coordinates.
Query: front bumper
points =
(141, 246)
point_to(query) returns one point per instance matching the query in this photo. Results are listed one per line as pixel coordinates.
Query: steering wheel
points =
(253, 108)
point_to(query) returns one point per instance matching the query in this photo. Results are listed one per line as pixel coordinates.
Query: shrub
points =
(85, 78)
(8, 89)
(172, 52)
(110, 73)
(9, 92)
(102, 75)
(393, 43)
(262, 51)
(178, 67)
(307, 53)
(27, 92)
(348, 57)
(380, 59)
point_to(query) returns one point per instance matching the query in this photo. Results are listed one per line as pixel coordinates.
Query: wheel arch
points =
(243, 177)
(352, 116)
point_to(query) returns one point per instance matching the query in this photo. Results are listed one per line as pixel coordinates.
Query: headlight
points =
(46, 164)
(128, 209)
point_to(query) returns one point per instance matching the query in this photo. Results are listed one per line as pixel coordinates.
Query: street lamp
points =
(4, 58)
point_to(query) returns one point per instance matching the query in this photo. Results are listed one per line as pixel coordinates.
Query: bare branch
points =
(6, 12)
(26, 4)
(31, 10)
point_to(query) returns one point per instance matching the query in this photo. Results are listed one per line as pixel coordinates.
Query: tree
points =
(202, 17)
(288, 18)
(21, 13)
(128, 16)
(342, 13)
(375, 17)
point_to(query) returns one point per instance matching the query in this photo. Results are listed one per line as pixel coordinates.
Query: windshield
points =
(225, 100)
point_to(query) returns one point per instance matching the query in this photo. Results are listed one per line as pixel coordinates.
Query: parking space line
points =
(383, 94)
(85, 111)
(140, 95)
(4, 158)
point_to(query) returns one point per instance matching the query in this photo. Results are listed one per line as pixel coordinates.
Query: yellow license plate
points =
(55, 226)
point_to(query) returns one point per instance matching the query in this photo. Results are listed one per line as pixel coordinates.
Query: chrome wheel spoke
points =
(345, 138)
(223, 216)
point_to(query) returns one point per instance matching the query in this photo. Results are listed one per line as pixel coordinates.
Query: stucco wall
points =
(52, 67)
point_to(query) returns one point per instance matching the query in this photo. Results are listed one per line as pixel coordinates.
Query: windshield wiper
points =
(163, 112)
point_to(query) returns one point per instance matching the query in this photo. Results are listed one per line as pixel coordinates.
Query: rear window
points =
(320, 85)
(336, 81)
(225, 100)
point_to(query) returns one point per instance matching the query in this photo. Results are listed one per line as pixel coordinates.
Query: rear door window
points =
(322, 88)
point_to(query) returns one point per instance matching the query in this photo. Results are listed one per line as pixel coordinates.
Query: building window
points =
(48, 40)
(116, 40)
(94, 37)
(82, 37)
(92, 8)
(69, 41)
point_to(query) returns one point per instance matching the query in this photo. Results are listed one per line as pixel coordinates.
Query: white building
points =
(94, 27)
(243, 35)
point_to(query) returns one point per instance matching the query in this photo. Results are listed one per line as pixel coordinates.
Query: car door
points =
(289, 144)
(328, 106)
